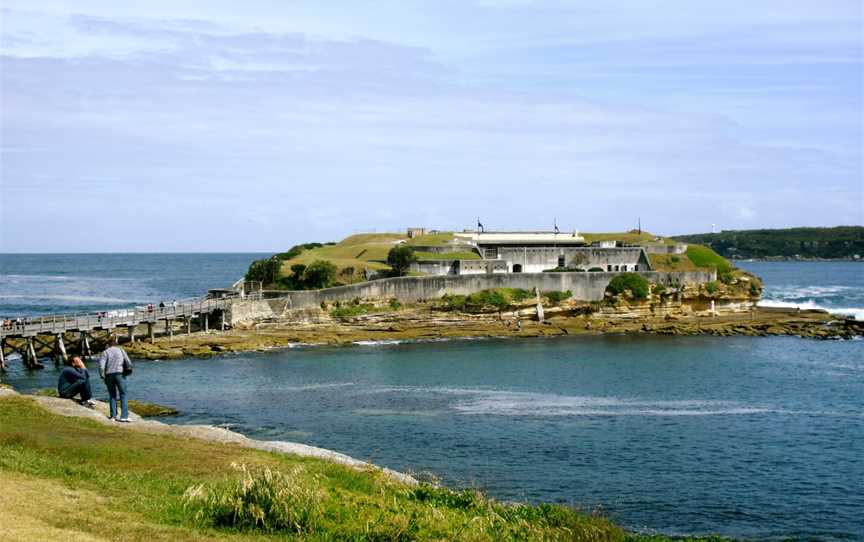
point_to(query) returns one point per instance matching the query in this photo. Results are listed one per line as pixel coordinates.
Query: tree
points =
(319, 274)
(265, 271)
(400, 259)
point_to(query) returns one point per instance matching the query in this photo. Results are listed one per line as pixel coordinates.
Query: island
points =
(422, 285)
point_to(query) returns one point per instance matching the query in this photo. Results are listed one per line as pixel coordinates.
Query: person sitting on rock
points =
(75, 380)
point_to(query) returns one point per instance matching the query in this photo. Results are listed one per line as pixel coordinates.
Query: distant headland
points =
(801, 244)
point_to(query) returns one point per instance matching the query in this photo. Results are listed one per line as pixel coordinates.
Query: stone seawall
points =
(584, 286)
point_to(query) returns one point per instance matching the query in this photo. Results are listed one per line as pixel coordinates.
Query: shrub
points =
(477, 301)
(675, 258)
(493, 298)
(454, 302)
(400, 259)
(265, 271)
(319, 274)
(262, 499)
(395, 304)
(629, 281)
(519, 294)
(557, 297)
(352, 310)
(596, 270)
(711, 287)
(659, 289)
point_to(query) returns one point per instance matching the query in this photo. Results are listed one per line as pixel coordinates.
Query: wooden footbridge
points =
(85, 334)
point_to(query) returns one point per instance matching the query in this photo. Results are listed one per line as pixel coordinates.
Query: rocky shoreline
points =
(425, 323)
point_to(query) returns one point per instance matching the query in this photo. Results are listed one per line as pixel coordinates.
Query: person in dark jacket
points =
(75, 380)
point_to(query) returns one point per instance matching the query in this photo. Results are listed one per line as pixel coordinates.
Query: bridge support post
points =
(150, 331)
(59, 350)
(31, 352)
(188, 325)
(85, 345)
(206, 318)
(169, 329)
(131, 329)
(3, 354)
(222, 320)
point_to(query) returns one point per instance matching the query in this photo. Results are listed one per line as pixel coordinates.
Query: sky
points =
(192, 125)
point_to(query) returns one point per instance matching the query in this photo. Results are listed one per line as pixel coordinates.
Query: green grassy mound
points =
(98, 482)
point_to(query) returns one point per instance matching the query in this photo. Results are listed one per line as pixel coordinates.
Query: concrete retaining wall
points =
(585, 287)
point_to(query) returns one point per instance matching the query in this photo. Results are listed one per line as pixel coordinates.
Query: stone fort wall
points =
(584, 286)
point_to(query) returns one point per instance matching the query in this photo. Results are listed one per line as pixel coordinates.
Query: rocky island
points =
(428, 286)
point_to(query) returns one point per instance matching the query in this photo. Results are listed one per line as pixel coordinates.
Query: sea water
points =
(757, 437)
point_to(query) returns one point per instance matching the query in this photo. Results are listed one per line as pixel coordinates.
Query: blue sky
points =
(204, 126)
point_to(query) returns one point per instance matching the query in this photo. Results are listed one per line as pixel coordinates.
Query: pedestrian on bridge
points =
(114, 367)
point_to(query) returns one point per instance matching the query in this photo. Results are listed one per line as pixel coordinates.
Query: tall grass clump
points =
(261, 499)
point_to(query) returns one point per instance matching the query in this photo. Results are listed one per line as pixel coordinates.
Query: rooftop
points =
(522, 237)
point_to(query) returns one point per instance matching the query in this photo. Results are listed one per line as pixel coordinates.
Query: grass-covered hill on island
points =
(841, 242)
(353, 259)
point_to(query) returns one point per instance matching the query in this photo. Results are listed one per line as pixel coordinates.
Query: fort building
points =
(535, 252)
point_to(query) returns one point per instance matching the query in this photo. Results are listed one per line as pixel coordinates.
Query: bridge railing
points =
(59, 323)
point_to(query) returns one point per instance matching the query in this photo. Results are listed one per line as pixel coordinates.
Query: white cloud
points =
(311, 136)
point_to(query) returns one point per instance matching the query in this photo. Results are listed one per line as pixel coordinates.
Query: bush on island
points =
(400, 259)
(557, 297)
(637, 285)
(319, 274)
(265, 271)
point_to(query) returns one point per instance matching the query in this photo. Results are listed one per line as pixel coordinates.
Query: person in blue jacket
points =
(75, 380)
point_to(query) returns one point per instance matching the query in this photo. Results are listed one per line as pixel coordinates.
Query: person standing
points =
(75, 380)
(114, 367)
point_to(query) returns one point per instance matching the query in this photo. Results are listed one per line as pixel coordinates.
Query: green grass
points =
(627, 237)
(432, 239)
(76, 479)
(671, 262)
(446, 255)
(348, 311)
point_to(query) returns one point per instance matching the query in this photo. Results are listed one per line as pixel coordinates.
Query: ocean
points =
(754, 437)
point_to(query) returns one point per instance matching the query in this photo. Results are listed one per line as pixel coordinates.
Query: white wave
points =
(65, 278)
(395, 412)
(377, 343)
(312, 387)
(855, 312)
(541, 404)
(810, 291)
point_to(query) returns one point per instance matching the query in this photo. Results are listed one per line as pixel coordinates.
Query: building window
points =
(608, 268)
(517, 267)
(561, 261)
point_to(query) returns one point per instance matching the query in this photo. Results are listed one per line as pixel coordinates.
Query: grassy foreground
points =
(64, 478)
